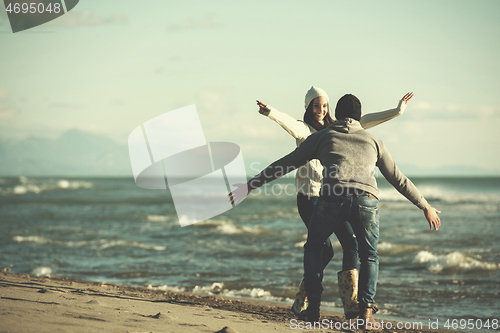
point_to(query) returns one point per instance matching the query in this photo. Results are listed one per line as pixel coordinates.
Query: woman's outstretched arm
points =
(296, 128)
(373, 119)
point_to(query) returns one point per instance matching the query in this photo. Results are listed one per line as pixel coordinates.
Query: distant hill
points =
(74, 153)
(447, 170)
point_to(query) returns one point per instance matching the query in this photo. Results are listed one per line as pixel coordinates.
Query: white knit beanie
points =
(315, 92)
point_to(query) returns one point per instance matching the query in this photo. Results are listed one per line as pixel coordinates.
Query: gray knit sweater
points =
(349, 155)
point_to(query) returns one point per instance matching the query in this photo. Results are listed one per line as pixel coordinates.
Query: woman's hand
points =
(407, 97)
(263, 107)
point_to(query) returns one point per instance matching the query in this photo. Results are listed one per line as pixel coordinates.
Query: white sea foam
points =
(29, 185)
(157, 218)
(73, 185)
(42, 271)
(105, 244)
(253, 293)
(231, 229)
(390, 249)
(300, 245)
(227, 227)
(454, 261)
(444, 195)
(217, 288)
(31, 239)
(214, 289)
(168, 288)
(19, 189)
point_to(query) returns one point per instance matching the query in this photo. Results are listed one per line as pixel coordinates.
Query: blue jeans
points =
(305, 205)
(344, 215)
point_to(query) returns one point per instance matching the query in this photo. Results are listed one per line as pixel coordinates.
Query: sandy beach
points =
(42, 304)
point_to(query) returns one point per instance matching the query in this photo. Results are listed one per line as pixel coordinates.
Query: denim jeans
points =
(344, 215)
(305, 205)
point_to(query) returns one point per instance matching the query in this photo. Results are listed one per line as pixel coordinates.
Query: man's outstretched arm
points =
(396, 178)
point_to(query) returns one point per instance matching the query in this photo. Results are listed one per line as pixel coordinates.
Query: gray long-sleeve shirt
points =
(309, 175)
(349, 155)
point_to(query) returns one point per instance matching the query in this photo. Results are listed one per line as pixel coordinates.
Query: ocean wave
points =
(25, 185)
(453, 262)
(73, 185)
(390, 249)
(101, 244)
(167, 288)
(300, 245)
(42, 271)
(31, 239)
(105, 244)
(435, 193)
(227, 227)
(157, 218)
(217, 288)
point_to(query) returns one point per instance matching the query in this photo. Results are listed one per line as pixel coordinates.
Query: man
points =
(349, 200)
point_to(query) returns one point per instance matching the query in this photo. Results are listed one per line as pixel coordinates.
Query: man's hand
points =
(431, 214)
(241, 192)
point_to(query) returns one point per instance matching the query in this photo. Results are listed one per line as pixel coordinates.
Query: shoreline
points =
(43, 304)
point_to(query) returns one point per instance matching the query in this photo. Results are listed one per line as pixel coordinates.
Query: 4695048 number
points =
(33, 8)
(471, 324)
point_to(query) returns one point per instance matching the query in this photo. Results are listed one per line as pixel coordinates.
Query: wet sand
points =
(42, 304)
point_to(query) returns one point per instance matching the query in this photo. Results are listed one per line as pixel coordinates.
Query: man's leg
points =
(365, 223)
(347, 239)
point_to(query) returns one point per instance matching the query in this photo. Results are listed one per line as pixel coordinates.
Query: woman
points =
(308, 183)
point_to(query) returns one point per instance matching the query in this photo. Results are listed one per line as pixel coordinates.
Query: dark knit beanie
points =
(348, 106)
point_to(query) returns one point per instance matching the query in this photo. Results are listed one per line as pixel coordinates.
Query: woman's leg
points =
(305, 205)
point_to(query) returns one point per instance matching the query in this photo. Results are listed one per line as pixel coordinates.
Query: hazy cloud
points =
(453, 111)
(63, 105)
(88, 18)
(201, 23)
(4, 20)
(7, 107)
(214, 100)
(422, 106)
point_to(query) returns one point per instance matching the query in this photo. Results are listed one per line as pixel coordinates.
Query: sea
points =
(110, 230)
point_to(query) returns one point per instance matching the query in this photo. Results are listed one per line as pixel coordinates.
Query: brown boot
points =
(348, 291)
(366, 312)
(300, 303)
(311, 314)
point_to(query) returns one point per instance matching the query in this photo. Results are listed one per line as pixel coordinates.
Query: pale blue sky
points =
(108, 66)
